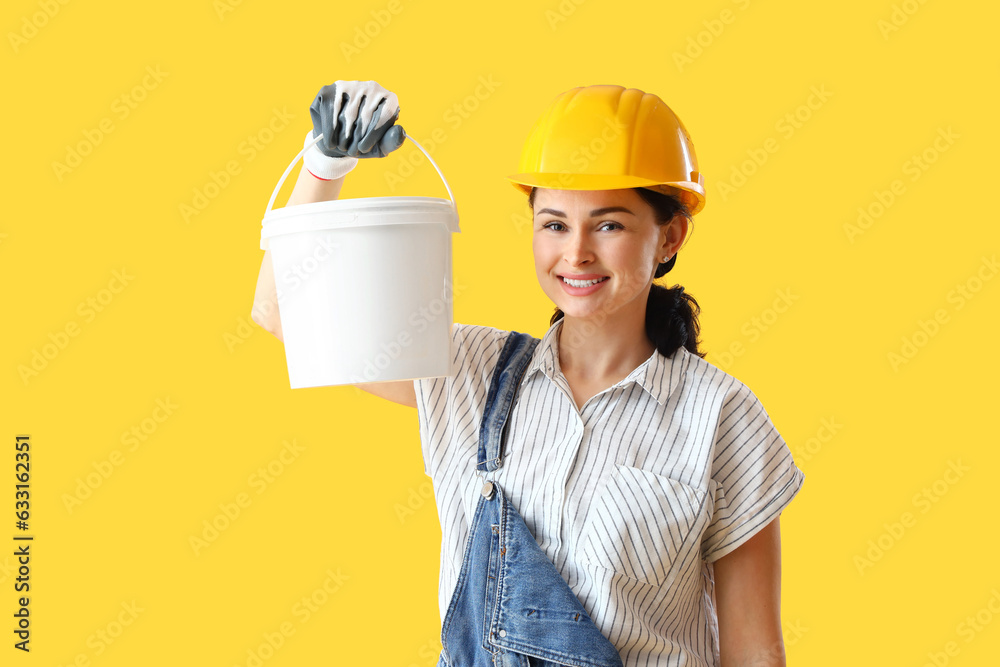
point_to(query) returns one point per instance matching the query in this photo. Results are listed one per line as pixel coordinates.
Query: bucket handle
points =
(302, 152)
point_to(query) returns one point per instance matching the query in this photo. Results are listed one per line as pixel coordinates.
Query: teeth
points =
(583, 283)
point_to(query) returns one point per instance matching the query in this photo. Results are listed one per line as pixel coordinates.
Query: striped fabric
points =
(632, 498)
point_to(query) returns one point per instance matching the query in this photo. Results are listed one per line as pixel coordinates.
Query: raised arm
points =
(351, 129)
(308, 188)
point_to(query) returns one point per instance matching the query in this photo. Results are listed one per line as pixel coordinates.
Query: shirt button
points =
(503, 633)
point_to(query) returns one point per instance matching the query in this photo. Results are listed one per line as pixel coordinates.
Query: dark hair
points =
(671, 313)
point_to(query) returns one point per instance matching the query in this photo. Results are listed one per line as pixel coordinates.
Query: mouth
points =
(584, 281)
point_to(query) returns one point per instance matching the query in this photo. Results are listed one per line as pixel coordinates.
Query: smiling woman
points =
(606, 474)
(641, 469)
(671, 315)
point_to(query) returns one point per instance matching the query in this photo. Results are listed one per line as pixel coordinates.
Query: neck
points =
(592, 350)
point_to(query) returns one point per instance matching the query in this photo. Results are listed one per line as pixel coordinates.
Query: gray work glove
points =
(357, 119)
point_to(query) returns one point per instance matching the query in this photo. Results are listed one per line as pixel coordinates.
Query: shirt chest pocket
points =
(643, 525)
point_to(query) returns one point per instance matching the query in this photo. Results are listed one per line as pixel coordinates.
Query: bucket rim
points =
(408, 203)
(342, 214)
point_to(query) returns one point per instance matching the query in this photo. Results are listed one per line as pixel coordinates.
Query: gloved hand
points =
(362, 125)
(357, 119)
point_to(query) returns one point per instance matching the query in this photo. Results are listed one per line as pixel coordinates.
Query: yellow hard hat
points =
(608, 137)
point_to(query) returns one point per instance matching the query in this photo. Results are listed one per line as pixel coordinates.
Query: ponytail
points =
(672, 320)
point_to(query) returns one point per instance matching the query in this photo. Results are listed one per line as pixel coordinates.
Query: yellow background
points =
(870, 435)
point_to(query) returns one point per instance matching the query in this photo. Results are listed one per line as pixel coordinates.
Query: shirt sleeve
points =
(753, 474)
(448, 407)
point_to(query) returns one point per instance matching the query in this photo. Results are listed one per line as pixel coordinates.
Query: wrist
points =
(324, 167)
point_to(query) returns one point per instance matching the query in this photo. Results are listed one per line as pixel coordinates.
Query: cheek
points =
(634, 263)
(543, 252)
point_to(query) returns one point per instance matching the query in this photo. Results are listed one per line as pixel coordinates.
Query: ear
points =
(672, 235)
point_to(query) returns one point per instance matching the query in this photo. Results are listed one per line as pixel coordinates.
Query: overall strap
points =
(511, 366)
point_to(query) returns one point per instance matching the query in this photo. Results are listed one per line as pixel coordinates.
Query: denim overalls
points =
(511, 607)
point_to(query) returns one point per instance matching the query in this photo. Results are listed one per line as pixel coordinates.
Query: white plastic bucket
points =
(364, 286)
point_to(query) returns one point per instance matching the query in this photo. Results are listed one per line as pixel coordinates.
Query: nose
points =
(578, 250)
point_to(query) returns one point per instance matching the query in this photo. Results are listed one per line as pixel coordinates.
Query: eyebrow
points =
(595, 213)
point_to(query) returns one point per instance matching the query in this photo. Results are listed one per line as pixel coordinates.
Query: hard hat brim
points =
(689, 192)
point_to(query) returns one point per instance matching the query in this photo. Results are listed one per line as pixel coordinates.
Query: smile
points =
(583, 283)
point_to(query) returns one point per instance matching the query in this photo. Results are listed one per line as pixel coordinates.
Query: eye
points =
(553, 224)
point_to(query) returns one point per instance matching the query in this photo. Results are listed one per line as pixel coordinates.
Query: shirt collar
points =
(658, 375)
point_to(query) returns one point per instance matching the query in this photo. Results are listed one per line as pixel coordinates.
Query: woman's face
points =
(605, 235)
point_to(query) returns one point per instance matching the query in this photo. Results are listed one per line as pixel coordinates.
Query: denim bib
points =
(511, 607)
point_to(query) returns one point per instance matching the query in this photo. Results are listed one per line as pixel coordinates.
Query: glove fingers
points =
(366, 113)
(333, 109)
(351, 114)
(351, 146)
(343, 129)
(371, 96)
(391, 140)
(377, 128)
(328, 124)
(319, 112)
(356, 119)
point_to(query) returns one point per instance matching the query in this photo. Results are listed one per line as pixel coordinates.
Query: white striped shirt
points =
(632, 497)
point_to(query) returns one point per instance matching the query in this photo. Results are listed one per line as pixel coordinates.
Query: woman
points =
(610, 497)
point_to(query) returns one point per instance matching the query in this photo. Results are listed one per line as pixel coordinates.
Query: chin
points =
(582, 313)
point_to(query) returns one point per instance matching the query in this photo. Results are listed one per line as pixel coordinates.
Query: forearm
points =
(307, 189)
(748, 595)
(757, 654)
